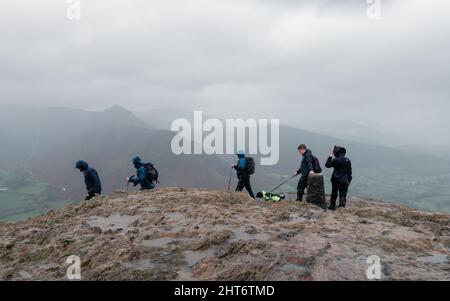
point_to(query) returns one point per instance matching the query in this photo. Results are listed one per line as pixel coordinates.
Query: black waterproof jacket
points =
(342, 167)
(307, 164)
(92, 180)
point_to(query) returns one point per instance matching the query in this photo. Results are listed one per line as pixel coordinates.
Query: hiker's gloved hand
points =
(233, 166)
(312, 173)
(295, 173)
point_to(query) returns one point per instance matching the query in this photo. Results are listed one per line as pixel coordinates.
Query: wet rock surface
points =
(185, 234)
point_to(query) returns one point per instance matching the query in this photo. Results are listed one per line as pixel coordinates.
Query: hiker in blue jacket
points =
(91, 179)
(242, 174)
(141, 177)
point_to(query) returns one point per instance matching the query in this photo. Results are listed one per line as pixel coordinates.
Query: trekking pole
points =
(282, 183)
(128, 183)
(229, 179)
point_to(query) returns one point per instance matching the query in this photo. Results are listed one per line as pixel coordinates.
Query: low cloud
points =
(297, 60)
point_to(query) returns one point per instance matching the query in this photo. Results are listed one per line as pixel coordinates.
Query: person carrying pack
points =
(245, 167)
(310, 165)
(146, 174)
(267, 196)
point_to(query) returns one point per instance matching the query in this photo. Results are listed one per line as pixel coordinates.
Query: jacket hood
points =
(240, 154)
(81, 165)
(136, 160)
(339, 151)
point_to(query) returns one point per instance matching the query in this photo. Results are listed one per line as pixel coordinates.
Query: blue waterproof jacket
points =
(141, 178)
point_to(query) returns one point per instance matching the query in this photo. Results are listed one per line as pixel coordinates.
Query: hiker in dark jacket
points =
(306, 169)
(91, 179)
(141, 177)
(242, 174)
(341, 178)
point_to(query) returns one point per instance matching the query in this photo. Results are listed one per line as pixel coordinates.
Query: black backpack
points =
(250, 165)
(316, 165)
(152, 172)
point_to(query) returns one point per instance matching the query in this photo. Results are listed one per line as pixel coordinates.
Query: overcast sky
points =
(297, 60)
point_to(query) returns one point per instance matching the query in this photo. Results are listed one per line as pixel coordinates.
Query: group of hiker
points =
(310, 165)
(147, 175)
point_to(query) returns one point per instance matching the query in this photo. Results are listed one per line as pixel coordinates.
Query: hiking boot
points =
(298, 200)
(332, 208)
(341, 205)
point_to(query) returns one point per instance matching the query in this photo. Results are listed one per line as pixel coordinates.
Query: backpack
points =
(152, 172)
(316, 165)
(250, 165)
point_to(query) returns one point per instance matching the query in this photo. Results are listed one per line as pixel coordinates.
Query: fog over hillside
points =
(297, 60)
(107, 86)
(37, 164)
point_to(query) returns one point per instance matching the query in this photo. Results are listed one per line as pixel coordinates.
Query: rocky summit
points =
(187, 234)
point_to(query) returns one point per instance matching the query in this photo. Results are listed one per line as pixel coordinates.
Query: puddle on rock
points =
(240, 234)
(175, 216)
(294, 268)
(184, 275)
(143, 264)
(25, 274)
(434, 259)
(113, 222)
(161, 242)
(192, 257)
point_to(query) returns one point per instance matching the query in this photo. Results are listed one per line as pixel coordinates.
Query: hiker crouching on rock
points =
(341, 178)
(91, 179)
(244, 168)
(306, 169)
(146, 174)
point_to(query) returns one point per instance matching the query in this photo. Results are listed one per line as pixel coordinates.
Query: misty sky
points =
(297, 60)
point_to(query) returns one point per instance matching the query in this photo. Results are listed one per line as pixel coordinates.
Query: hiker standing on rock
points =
(91, 179)
(245, 167)
(306, 169)
(146, 174)
(341, 178)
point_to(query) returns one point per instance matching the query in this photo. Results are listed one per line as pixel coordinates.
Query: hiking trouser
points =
(301, 186)
(341, 189)
(148, 186)
(244, 181)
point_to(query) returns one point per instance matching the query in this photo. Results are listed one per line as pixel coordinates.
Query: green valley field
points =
(22, 197)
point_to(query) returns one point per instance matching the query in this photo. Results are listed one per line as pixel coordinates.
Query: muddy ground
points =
(186, 234)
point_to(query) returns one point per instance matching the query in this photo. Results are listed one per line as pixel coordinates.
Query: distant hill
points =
(44, 144)
(403, 175)
(416, 179)
(162, 118)
(348, 130)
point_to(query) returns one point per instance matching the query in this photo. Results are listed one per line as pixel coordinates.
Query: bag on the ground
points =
(250, 165)
(152, 172)
(316, 165)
